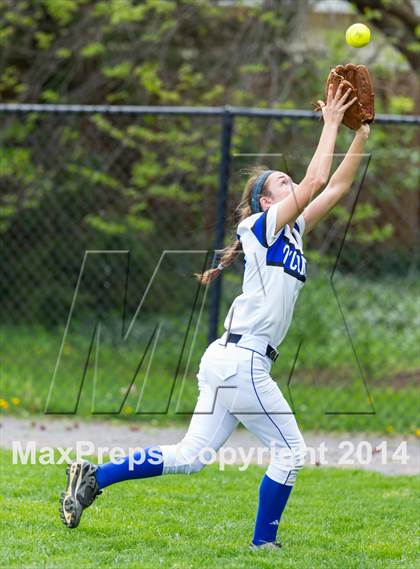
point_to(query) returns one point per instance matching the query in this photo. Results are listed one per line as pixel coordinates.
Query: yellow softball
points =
(358, 35)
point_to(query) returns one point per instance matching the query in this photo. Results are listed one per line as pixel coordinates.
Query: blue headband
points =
(257, 190)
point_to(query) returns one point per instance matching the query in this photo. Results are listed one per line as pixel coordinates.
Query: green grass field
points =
(335, 518)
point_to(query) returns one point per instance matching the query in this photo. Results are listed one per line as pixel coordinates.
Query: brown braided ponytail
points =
(229, 253)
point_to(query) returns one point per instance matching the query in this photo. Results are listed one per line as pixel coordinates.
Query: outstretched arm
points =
(340, 182)
(320, 166)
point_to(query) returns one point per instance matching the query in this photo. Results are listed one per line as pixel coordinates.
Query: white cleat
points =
(268, 545)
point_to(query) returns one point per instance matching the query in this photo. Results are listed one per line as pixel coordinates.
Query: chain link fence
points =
(106, 214)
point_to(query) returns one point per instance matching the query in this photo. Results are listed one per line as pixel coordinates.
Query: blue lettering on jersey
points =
(282, 253)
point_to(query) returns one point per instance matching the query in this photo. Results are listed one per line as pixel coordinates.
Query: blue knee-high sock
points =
(272, 501)
(142, 464)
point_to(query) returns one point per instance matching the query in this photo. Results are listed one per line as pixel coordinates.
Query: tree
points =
(398, 20)
(146, 183)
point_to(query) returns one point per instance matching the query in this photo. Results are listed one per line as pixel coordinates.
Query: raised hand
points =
(335, 107)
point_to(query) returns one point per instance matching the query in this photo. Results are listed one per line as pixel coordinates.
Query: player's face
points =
(279, 185)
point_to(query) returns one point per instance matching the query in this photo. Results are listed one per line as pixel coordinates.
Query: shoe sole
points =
(70, 513)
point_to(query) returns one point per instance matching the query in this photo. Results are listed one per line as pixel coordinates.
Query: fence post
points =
(216, 287)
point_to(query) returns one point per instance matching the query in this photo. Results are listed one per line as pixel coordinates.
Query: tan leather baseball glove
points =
(358, 78)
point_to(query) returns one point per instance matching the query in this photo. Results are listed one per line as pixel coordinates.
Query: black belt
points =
(270, 352)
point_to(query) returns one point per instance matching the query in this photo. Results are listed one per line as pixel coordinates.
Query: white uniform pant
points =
(235, 386)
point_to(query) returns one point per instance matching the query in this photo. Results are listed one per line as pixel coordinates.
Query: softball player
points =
(234, 374)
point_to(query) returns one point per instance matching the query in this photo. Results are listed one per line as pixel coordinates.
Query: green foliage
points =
(122, 11)
(44, 39)
(71, 183)
(50, 96)
(253, 68)
(93, 49)
(148, 77)
(9, 81)
(400, 104)
(62, 11)
(106, 226)
(63, 52)
(372, 14)
(16, 162)
(376, 235)
(120, 71)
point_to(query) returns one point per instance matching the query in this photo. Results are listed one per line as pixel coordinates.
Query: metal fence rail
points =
(179, 110)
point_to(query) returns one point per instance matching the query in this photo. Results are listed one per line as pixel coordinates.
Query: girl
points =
(234, 375)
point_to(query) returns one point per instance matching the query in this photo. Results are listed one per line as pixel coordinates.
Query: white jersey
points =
(275, 271)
